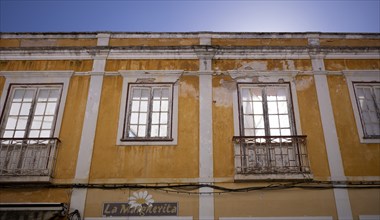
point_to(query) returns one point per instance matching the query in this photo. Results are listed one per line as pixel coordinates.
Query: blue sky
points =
(187, 16)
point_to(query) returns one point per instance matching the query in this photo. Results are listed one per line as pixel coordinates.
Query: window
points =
(268, 144)
(31, 111)
(149, 112)
(266, 110)
(27, 128)
(368, 102)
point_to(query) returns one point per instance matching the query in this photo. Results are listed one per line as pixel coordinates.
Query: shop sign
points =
(140, 204)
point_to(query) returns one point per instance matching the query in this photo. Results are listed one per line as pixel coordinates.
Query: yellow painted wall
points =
(116, 65)
(275, 203)
(223, 126)
(259, 42)
(270, 65)
(9, 42)
(76, 42)
(2, 82)
(188, 205)
(348, 64)
(46, 65)
(358, 159)
(330, 42)
(364, 202)
(181, 161)
(25, 195)
(311, 126)
(153, 41)
(71, 129)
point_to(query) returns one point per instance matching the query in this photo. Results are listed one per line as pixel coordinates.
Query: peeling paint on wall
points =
(222, 96)
(304, 83)
(188, 90)
(254, 65)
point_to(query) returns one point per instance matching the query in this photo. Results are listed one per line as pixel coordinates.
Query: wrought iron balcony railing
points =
(271, 155)
(27, 156)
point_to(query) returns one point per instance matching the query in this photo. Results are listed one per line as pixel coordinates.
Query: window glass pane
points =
(19, 134)
(135, 106)
(163, 131)
(259, 121)
(18, 95)
(247, 108)
(155, 118)
(54, 95)
(47, 124)
(34, 133)
(144, 106)
(165, 94)
(281, 94)
(11, 122)
(271, 94)
(134, 118)
(29, 95)
(141, 131)
(132, 131)
(25, 108)
(285, 132)
(249, 132)
(260, 132)
(157, 94)
(50, 108)
(248, 121)
(36, 123)
(377, 95)
(245, 94)
(272, 108)
(21, 123)
(256, 94)
(15, 108)
(258, 107)
(145, 94)
(154, 131)
(284, 121)
(275, 132)
(273, 121)
(164, 106)
(282, 107)
(136, 93)
(156, 105)
(142, 119)
(8, 134)
(164, 118)
(43, 95)
(40, 109)
(45, 133)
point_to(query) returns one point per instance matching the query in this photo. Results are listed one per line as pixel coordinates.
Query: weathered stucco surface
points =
(275, 203)
(181, 161)
(259, 42)
(261, 65)
(330, 42)
(46, 65)
(346, 64)
(154, 41)
(71, 129)
(48, 42)
(312, 126)
(116, 65)
(358, 159)
(365, 201)
(28, 195)
(223, 126)
(2, 82)
(9, 42)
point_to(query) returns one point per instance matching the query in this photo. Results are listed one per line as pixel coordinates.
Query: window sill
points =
(369, 140)
(147, 142)
(270, 177)
(20, 179)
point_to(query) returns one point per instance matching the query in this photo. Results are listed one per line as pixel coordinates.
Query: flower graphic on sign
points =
(140, 198)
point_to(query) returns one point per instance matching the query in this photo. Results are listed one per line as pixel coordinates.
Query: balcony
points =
(271, 157)
(27, 159)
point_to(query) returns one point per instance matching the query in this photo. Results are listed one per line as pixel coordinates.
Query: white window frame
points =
(148, 124)
(149, 77)
(360, 76)
(267, 77)
(38, 77)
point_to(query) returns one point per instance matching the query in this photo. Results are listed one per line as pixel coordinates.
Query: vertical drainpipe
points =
(82, 172)
(342, 200)
(206, 197)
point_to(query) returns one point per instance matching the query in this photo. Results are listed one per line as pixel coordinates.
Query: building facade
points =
(190, 126)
